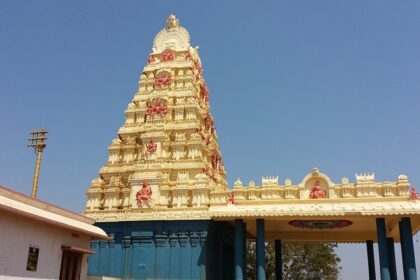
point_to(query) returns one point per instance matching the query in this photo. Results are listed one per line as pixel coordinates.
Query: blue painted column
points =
(371, 259)
(279, 262)
(239, 250)
(383, 249)
(260, 250)
(245, 251)
(391, 258)
(407, 249)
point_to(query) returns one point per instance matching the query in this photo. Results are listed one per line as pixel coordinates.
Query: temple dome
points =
(173, 36)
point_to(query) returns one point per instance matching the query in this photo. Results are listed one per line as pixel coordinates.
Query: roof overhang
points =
(362, 216)
(42, 215)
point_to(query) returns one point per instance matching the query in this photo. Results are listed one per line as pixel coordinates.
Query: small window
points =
(32, 262)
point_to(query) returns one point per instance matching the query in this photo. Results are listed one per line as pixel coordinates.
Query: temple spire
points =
(166, 154)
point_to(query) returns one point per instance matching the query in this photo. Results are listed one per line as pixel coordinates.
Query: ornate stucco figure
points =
(168, 55)
(316, 191)
(414, 194)
(144, 194)
(151, 147)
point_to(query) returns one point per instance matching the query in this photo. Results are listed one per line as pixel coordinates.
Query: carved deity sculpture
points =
(414, 194)
(221, 167)
(230, 199)
(204, 92)
(151, 147)
(151, 59)
(216, 161)
(208, 123)
(162, 79)
(144, 194)
(316, 191)
(188, 56)
(167, 55)
(156, 107)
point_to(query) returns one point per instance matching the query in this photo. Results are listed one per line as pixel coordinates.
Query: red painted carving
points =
(316, 191)
(197, 66)
(414, 194)
(204, 92)
(151, 147)
(209, 124)
(167, 55)
(188, 56)
(230, 199)
(144, 194)
(208, 140)
(209, 172)
(221, 166)
(197, 69)
(163, 79)
(216, 161)
(157, 107)
(150, 59)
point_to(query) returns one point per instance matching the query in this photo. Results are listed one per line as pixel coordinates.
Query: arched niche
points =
(313, 182)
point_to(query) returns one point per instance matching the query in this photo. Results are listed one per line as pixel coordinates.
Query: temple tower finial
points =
(172, 23)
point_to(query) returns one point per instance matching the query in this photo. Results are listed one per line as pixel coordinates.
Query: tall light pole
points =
(37, 141)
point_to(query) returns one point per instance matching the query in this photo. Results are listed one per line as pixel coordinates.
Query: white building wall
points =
(17, 233)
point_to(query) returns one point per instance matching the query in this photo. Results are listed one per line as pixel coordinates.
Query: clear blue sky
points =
(294, 85)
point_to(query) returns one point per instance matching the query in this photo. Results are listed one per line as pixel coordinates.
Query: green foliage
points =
(301, 261)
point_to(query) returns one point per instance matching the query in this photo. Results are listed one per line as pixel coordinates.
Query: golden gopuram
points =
(164, 199)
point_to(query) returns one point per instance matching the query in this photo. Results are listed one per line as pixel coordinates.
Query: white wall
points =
(17, 233)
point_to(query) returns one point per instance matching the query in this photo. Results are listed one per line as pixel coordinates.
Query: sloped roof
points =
(39, 210)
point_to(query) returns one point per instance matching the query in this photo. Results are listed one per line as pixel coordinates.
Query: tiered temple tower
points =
(153, 195)
(166, 155)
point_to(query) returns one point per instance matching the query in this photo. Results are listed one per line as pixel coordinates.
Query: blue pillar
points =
(279, 262)
(371, 260)
(260, 250)
(383, 249)
(244, 252)
(407, 249)
(239, 250)
(391, 258)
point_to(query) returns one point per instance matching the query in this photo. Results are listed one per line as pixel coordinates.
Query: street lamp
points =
(37, 141)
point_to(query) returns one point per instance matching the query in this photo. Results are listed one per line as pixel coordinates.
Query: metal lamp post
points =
(37, 141)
